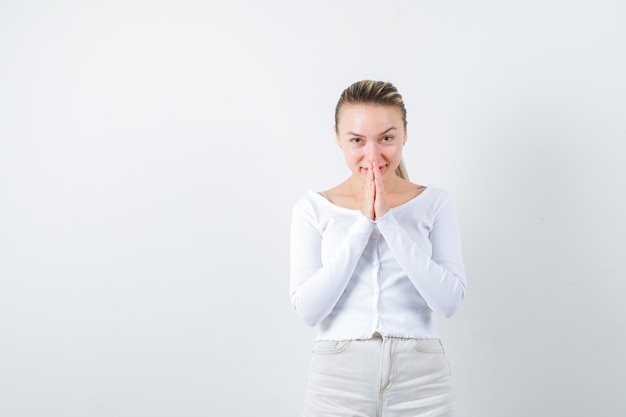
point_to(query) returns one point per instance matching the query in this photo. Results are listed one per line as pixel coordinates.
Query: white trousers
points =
(379, 377)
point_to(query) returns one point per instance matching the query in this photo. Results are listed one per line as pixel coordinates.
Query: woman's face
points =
(371, 133)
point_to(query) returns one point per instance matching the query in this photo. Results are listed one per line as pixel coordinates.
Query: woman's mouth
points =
(380, 168)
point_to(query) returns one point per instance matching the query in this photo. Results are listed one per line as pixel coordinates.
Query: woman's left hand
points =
(380, 203)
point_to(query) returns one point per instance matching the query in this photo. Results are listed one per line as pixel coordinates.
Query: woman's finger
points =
(380, 202)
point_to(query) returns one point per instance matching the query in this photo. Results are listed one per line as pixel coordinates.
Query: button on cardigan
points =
(352, 276)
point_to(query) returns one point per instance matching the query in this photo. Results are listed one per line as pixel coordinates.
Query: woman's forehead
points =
(370, 115)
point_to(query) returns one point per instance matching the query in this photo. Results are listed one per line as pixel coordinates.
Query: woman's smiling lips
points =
(381, 168)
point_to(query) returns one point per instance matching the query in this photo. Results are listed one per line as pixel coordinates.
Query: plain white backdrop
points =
(150, 153)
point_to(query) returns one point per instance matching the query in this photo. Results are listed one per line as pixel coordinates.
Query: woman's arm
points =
(315, 288)
(440, 279)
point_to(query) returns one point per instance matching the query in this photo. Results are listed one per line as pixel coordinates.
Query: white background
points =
(150, 152)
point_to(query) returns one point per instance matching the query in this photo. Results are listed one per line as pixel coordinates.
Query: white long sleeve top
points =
(352, 276)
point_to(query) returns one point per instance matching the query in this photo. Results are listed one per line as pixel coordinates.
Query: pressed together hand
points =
(375, 205)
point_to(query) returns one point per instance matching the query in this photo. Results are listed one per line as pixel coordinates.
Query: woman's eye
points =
(355, 140)
(387, 139)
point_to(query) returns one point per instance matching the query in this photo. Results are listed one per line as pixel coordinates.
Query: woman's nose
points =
(373, 152)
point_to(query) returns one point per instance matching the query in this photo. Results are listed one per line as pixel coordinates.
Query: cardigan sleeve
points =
(440, 278)
(316, 287)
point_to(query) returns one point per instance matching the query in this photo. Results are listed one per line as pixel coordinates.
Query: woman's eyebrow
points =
(360, 135)
(387, 131)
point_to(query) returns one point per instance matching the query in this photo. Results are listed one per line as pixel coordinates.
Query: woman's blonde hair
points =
(374, 92)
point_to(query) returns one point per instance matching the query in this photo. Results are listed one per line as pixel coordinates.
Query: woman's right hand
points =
(370, 194)
(374, 204)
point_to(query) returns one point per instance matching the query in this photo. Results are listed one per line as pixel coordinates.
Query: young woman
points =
(371, 259)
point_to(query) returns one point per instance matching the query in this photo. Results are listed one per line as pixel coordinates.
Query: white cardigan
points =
(353, 277)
